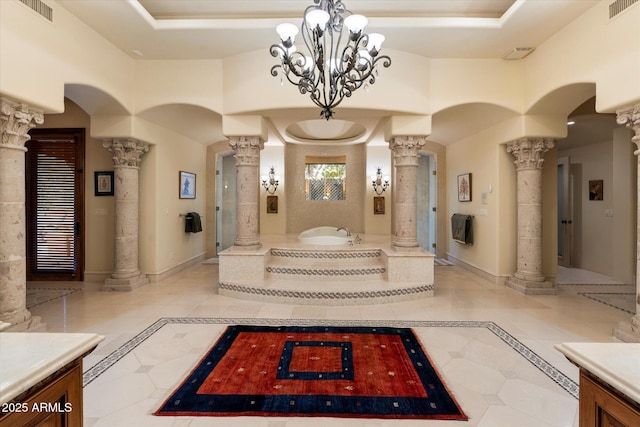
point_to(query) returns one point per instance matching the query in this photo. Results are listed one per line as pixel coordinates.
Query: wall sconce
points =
(379, 182)
(270, 183)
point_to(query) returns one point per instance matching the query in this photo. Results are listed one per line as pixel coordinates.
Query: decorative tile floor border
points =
(601, 292)
(601, 298)
(545, 367)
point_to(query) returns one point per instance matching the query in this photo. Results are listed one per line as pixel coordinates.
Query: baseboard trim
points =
(101, 276)
(497, 280)
(168, 272)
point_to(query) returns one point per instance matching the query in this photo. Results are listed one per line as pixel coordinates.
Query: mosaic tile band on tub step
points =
(379, 292)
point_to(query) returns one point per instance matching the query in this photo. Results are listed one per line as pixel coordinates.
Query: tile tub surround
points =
(288, 271)
(27, 358)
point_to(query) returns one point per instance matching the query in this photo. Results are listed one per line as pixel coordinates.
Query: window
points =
(325, 178)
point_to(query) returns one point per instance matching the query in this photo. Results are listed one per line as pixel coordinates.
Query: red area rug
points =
(315, 371)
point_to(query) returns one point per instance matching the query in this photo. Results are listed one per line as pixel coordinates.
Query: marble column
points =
(15, 122)
(529, 153)
(629, 331)
(406, 155)
(247, 155)
(127, 156)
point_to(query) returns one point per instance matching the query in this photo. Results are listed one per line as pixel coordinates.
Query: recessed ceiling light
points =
(571, 122)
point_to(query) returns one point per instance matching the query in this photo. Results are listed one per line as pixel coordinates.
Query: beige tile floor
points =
(491, 345)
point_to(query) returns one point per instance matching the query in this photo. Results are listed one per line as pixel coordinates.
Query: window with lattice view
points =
(325, 179)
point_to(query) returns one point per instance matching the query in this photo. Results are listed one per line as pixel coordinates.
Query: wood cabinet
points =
(602, 406)
(54, 402)
(41, 377)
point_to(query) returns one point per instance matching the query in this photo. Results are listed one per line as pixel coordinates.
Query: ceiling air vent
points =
(41, 8)
(619, 6)
(518, 53)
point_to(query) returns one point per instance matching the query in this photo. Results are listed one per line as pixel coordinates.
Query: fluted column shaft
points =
(406, 152)
(529, 153)
(127, 156)
(247, 155)
(630, 331)
(15, 122)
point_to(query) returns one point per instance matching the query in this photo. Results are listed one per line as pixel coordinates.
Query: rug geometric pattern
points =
(373, 372)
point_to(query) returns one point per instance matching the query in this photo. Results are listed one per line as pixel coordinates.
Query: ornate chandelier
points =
(335, 63)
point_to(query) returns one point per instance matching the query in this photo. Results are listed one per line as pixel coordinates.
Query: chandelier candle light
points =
(379, 182)
(335, 64)
(270, 183)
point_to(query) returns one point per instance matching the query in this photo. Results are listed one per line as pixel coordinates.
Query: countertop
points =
(26, 358)
(617, 364)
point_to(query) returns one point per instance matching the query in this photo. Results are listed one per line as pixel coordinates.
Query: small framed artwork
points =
(187, 185)
(596, 190)
(378, 205)
(464, 187)
(272, 204)
(103, 183)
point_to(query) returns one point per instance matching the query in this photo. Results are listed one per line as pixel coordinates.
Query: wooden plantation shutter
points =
(53, 223)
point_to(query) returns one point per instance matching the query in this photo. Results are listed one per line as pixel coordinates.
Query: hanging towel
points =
(192, 223)
(462, 228)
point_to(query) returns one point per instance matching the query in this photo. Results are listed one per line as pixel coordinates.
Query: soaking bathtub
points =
(325, 236)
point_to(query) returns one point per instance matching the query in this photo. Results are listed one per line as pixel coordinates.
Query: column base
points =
(629, 330)
(28, 324)
(405, 244)
(398, 248)
(125, 285)
(528, 287)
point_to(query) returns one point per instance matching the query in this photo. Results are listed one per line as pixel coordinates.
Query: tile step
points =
(331, 292)
(302, 273)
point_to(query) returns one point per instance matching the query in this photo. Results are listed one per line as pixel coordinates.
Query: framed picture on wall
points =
(596, 189)
(187, 189)
(272, 204)
(378, 205)
(464, 187)
(103, 183)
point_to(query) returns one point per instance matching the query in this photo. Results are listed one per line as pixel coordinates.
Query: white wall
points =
(70, 51)
(590, 49)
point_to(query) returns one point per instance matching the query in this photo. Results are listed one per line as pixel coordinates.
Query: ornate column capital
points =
(15, 122)
(631, 118)
(529, 152)
(126, 151)
(406, 149)
(247, 149)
